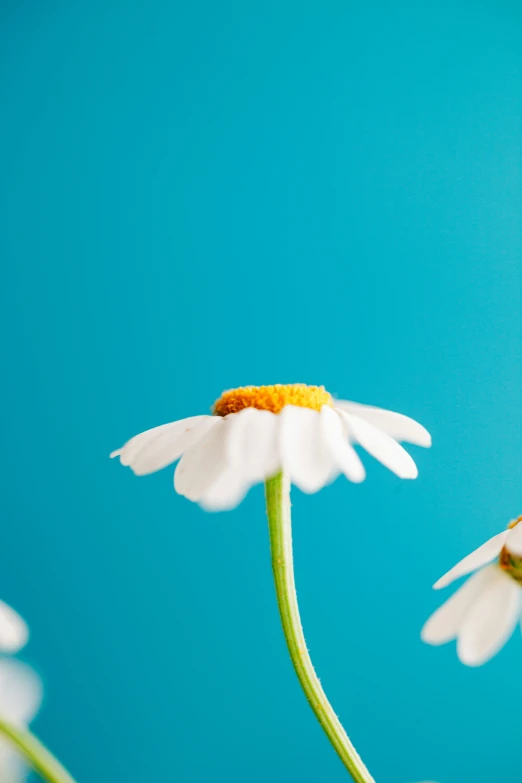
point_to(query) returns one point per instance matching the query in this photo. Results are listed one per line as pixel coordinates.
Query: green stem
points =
(280, 527)
(36, 754)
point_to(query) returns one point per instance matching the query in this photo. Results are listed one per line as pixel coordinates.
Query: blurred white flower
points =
(484, 612)
(13, 630)
(257, 431)
(20, 699)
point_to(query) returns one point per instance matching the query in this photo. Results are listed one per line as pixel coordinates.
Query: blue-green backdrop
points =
(195, 196)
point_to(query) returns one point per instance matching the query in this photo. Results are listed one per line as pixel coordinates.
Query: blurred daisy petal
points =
(304, 455)
(479, 557)
(166, 445)
(227, 491)
(20, 692)
(13, 768)
(133, 446)
(491, 620)
(252, 443)
(514, 540)
(381, 446)
(444, 623)
(396, 425)
(342, 452)
(14, 632)
(201, 465)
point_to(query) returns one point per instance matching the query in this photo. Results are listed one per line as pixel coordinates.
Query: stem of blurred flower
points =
(280, 527)
(36, 754)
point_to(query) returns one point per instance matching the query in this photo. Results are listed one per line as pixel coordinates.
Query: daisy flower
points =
(256, 431)
(483, 613)
(20, 699)
(280, 435)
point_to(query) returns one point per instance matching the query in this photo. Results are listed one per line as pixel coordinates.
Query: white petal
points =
(343, 453)
(170, 444)
(491, 620)
(13, 630)
(20, 692)
(13, 768)
(252, 443)
(305, 457)
(381, 446)
(479, 557)
(396, 425)
(133, 446)
(227, 491)
(444, 623)
(514, 540)
(155, 449)
(201, 465)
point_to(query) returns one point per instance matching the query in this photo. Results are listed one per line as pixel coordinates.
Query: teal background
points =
(201, 195)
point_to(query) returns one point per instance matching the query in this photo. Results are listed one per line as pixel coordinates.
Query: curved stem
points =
(280, 526)
(36, 754)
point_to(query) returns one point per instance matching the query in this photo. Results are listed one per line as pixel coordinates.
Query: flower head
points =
(483, 613)
(20, 691)
(20, 699)
(255, 431)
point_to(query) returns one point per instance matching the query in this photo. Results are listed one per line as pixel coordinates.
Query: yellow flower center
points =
(514, 522)
(272, 398)
(511, 564)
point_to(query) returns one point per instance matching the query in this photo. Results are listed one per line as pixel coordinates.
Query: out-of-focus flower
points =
(483, 613)
(13, 630)
(20, 699)
(256, 431)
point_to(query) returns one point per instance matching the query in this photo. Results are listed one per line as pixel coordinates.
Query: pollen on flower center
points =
(511, 564)
(272, 398)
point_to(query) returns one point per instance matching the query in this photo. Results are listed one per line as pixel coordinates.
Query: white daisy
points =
(13, 630)
(483, 613)
(20, 699)
(255, 431)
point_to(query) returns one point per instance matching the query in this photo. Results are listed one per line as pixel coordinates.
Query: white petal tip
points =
(308, 489)
(13, 645)
(440, 583)
(427, 639)
(430, 632)
(409, 473)
(14, 633)
(356, 474)
(471, 660)
(214, 508)
(423, 438)
(115, 454)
